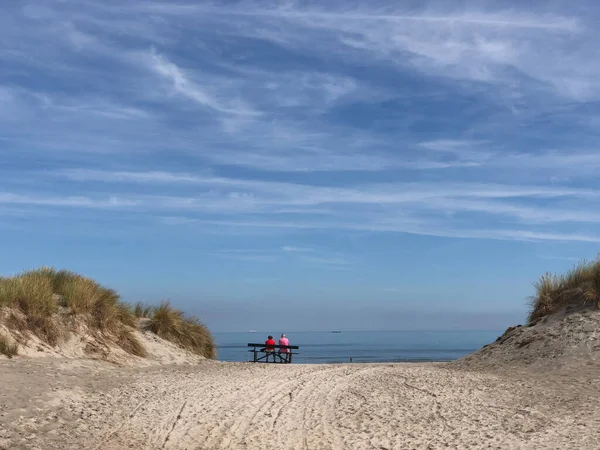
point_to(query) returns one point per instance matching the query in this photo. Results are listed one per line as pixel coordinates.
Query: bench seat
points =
(260, 353)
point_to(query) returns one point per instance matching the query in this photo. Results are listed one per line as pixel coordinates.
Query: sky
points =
(367, 165)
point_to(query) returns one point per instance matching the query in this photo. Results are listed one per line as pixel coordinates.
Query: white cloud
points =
(424, 229)
(315, 112)
(260, 107)
(561, 161)
(481, 45)
(304, 256)
(326, 260)
(440, 209)
(560, 258)
(289, 248)
(474, 45)
(70, 201)
(309, 195)
(188, 88)
(246, 256)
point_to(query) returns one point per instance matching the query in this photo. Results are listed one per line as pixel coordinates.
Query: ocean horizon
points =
(362, 346)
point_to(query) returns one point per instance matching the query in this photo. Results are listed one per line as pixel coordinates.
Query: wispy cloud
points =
(424, 228)
(560, 258)
(418, 208)
(289, 248)
(252, 256)
(69, 201)
(433, 120)
(480, 45)
(184, 86)
(303, 256)
(390, 289)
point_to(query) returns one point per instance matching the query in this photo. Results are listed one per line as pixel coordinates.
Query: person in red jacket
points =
(270, 347)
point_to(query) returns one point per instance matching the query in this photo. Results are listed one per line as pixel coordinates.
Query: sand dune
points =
(565, 339)
(89, 405)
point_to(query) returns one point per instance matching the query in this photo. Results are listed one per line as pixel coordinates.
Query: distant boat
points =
(336, 331)
(251, 331)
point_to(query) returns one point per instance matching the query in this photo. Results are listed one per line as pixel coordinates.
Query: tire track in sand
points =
(246, 421)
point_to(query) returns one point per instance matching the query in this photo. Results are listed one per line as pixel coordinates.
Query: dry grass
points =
(31, 293)
(142, 311)
(7, 348)
(37, 295)
(188, 333)
(578, 287)
(127, 340)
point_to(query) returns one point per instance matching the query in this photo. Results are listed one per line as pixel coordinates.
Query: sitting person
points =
(283, 340)
(270, 347)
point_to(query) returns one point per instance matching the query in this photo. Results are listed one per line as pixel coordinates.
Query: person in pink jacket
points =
(283, 340)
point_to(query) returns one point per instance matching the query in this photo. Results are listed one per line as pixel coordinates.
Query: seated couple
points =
(270, 347)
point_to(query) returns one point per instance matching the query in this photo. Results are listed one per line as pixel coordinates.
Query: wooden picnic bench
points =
(261, 354)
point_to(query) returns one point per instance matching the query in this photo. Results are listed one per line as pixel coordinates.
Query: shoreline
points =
(344, 362)
(367, 346)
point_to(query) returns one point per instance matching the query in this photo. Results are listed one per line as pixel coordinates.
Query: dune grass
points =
(7, 348)
(578, 287)
(31, 293)
(187, 332)
(39, 295)
(143, 311)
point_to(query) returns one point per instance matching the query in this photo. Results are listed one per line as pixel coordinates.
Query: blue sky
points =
(356, 165)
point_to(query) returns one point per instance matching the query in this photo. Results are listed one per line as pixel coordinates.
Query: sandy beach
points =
(54, 403)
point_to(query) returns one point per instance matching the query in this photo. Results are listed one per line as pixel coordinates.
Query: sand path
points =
(250, 406)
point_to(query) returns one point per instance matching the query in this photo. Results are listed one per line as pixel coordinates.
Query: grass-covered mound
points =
(563, 327)
(580, 287)
(44, 302)
(171, 324)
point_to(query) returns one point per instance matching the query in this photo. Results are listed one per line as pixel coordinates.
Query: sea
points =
(362, 346)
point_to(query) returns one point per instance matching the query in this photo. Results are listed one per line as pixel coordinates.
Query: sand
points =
(565, 339)
(78, 342)
(53, 403)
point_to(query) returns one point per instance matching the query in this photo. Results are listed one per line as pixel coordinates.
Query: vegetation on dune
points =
(38, 295)
(142, 311)
(187, 332)
(31, 294)
(578, 287)
(35, 299)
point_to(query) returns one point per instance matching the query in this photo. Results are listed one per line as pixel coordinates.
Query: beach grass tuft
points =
(578, 287)
(8, 348)
(127, 340)
(143, 311)
(31, 294)
(187, 332)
